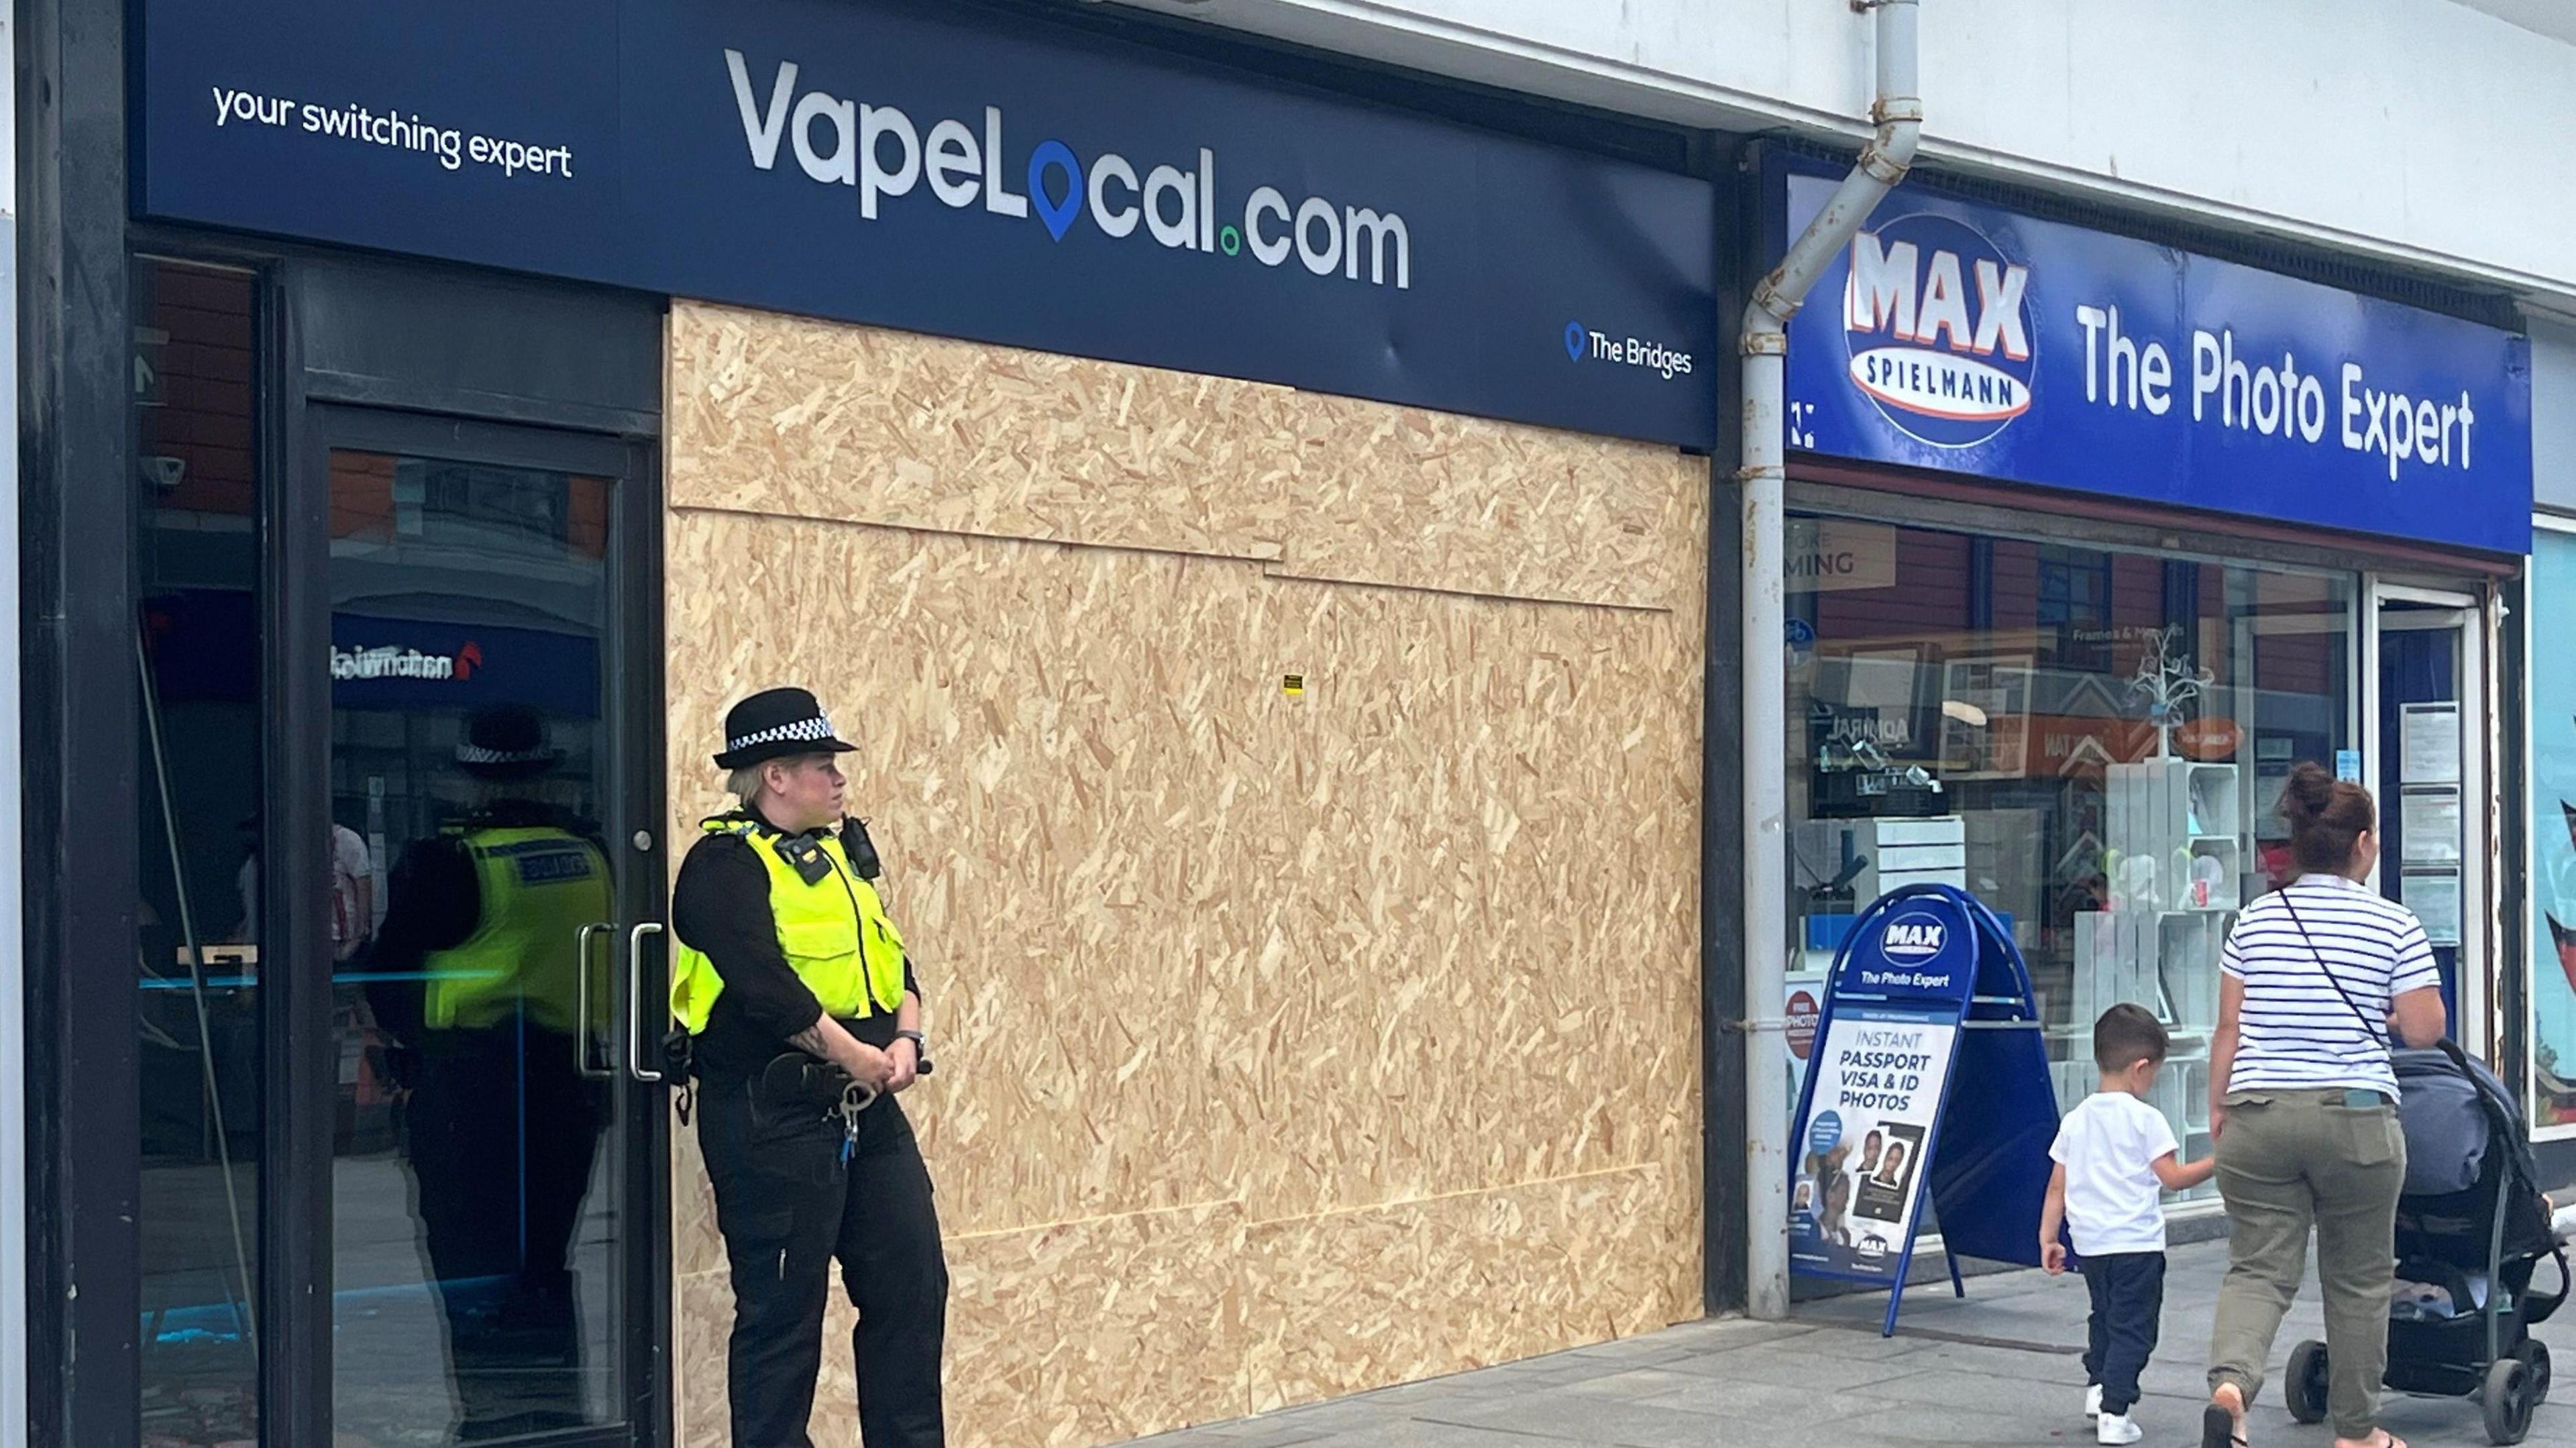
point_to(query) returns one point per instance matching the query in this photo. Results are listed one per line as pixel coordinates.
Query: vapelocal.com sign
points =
(881, 152)
(957, 172)
(1971, 339)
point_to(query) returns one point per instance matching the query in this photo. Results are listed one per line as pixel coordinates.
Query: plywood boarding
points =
(1195, 944)
(1346, 1301)
(788, 417)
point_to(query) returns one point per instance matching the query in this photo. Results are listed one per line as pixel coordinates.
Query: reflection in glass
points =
(196, 654)
(2089, 740)
(471, 1206)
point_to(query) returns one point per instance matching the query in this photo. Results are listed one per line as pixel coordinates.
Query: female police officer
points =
(800, 1001)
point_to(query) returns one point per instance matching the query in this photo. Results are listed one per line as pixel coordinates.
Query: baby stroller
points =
(2471, 1227)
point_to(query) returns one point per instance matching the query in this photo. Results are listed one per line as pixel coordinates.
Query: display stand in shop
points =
(1927, 1049)
(2174, 855)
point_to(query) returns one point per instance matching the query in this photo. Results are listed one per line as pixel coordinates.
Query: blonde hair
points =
(744, 784)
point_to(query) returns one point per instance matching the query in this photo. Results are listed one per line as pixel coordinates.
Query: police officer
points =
(805, 1022)
(477, 976)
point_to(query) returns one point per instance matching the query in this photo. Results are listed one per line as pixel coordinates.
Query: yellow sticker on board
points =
(1292, 685)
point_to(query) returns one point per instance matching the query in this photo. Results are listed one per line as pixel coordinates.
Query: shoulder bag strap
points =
(2378, 1030)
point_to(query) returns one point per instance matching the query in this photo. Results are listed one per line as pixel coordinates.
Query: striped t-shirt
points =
(2295, 1031)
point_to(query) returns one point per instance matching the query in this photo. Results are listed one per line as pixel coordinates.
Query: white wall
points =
(2553, 416)
(2414, 131)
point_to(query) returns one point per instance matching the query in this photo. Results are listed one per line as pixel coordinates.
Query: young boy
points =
(2114, 1155)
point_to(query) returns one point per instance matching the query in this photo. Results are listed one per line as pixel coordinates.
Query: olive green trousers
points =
(2289, 1161)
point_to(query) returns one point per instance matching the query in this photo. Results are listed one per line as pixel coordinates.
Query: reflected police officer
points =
(804, 1020)
(477, 976)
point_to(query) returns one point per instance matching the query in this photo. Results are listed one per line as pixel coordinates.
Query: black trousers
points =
(502, 1131)
(2128, 1292)
(788, 1206)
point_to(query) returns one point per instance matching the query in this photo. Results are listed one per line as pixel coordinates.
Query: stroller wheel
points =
(2535, 1361)
(2507, 1400)
(2304, 1386)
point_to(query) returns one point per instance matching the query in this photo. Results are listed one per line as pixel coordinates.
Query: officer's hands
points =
(906, 1054)
(868, 1066)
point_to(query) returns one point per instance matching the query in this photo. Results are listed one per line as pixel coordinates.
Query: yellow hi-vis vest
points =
(834, 932)
(539, 886)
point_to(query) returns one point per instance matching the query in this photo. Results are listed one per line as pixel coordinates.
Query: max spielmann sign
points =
(1967, 338)
(972, 174)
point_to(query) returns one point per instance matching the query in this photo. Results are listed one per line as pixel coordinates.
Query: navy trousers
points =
(2128, 1292)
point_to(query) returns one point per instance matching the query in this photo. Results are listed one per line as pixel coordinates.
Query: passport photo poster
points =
(1879, 1078)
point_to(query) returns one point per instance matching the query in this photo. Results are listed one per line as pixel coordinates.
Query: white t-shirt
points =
(2109, 1145)
(351, 868)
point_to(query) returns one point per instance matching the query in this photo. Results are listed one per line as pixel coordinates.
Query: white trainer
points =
(2116, 1428)
(2093, 1402)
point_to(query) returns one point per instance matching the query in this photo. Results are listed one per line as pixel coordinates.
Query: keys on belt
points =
(855, 1098)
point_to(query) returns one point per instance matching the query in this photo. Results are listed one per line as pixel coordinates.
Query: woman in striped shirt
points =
(2317, 980)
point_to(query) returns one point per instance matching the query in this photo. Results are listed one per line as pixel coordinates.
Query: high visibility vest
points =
(834, 932)
(539, 885)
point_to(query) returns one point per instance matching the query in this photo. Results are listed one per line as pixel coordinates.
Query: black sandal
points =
(2218, 1428)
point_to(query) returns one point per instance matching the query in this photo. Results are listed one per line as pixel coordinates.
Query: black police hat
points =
(506, 741)
(774, 724)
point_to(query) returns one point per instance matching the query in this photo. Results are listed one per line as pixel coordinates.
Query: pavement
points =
(2002, 1366)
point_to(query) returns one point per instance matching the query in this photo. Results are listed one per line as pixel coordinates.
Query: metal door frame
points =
(2468, 617)
(299, 788)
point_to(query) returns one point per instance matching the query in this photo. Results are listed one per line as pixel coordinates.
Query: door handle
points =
(581, 1001)
(635, 1066)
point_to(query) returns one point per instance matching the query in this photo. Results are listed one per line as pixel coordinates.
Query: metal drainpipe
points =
(1898, 115)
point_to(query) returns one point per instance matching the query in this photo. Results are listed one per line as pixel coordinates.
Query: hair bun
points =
(2309, 793)
(2327, 818)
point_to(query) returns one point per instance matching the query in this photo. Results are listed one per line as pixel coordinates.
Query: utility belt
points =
(795, 1089)
(791, 1082)
(795, 1085)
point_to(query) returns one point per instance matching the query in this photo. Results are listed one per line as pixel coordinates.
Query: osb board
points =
(788, 416)
(1348, 1301)
(1199, 951)
(1112, 1328)
(1187, 938)
(1059, 1336)
(1099, 1330)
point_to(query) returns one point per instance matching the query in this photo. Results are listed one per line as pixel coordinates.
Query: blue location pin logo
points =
(1058, 215)
(1575, 337)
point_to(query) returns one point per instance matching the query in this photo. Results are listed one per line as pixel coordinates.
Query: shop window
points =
(199, 936)
(2090, 740)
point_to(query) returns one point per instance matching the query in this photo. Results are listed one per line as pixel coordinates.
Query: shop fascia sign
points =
(394, 661)
(883, 154)
(952, 171)
(1976, 340)
(1945, 359)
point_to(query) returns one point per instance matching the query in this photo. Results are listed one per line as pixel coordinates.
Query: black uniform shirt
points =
(720, 908)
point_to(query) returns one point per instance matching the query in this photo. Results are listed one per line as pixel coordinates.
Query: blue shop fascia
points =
(2094, 534)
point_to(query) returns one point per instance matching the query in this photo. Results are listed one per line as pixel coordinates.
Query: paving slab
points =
(2003, 1366)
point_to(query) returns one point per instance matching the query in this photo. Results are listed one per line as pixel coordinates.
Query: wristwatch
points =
(920, 1048)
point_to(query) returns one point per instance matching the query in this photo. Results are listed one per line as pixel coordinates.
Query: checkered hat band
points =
(476, 754)
(815, 730)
